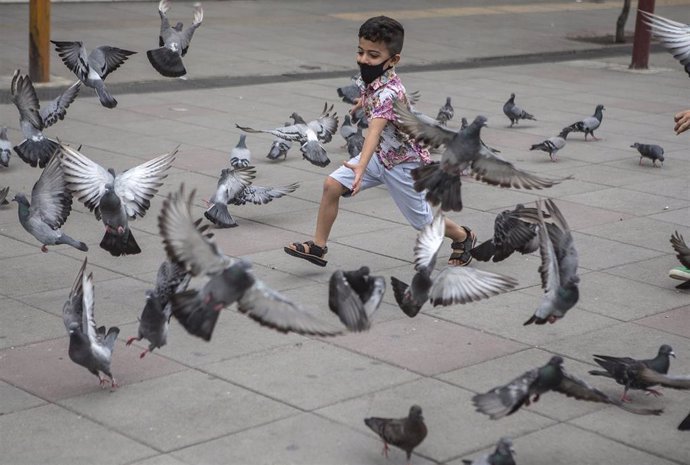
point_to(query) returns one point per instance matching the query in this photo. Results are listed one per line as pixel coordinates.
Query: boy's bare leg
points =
(455, 233)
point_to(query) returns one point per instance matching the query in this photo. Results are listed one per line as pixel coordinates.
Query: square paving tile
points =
(14, 400)
(675, 321)
(641, 231)
(629, 201)
(653, 271)
(23, 324)
(596, 253)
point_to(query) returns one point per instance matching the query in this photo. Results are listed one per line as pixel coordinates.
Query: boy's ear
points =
(395, 59)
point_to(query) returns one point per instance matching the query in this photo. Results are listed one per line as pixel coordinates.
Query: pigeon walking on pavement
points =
(354, 296)
(404, 433)
(89, 346)
(445, 113)
(553, 144)
(240, 155)
(505, 400)
(5, 148)
(235, 187)
(279, 147)
(511, 234)
(652, 151)
(115, 198)
(452, 285)
(673, 35)
(36, 148)
(50, 206)
(502, 455)
(173, 42)
(514, 112)
(589, 124)
(92, 69)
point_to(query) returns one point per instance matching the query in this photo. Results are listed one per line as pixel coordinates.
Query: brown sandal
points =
(461, 250)
(314, 255)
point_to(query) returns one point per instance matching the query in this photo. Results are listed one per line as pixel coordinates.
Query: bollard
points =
(643, 37)
(39, 40)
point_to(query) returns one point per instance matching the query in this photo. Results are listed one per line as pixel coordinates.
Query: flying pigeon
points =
(553, 144)
(403, 433)
(589, 124)
(464, 149)
(502, 455)
(190, 246)
(685, 424)
(115, 198)
(511, 234)
(558, 267)
(631, 373)
(445, 113)
(240, 156)
(153, 322)
(3, 195)
(463, 125)
(173, 42)
(50, 206)
(354, 296)
(355, 143)
(652, 151)
(92, 69)
(280, 147)
(350, 93)
(673, 35)
(683, 255)
(36, 148)
(452, 285)
(514, 112)
(5, 148)
(235, 187)
(309, 135)
(505, 400)
(89, 346)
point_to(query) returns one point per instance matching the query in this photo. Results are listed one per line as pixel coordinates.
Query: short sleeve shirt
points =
(395, 146)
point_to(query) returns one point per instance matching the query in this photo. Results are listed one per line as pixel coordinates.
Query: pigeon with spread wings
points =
(673, 35)
(173, 42)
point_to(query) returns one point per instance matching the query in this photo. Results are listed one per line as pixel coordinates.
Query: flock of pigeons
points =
(354, 296)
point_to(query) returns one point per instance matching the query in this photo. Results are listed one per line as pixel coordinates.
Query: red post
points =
(643, 37)
(39, 40)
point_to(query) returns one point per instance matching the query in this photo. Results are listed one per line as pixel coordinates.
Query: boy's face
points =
(375, 53)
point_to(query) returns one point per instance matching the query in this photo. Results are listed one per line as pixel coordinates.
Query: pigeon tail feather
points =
(166, 62)
(65, 239)
(219, 215)
(399, 290)
(104, 96)
(120, 245)
(442, 188)
(37, 152)
(484, 251)
(199, 320)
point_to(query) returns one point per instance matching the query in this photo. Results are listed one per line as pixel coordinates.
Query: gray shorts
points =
(398, 180)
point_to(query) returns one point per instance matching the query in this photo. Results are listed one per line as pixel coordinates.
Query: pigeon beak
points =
(672, 354)
(512, 450)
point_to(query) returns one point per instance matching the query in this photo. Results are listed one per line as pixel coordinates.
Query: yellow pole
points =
(39, 40)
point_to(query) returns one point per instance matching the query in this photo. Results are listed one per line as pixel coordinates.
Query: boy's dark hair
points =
(386, 30)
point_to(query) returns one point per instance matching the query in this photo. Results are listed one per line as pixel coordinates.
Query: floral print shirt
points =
(395, 146)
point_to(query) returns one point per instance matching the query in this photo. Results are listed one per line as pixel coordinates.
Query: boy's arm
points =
(371, 141)
(682, 120)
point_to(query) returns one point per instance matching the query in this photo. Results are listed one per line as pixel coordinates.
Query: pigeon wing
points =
(426, 130)
(505, 400)
(682, 250)
(262, 195)
(73, 55)
(25, 98)
(344, 302)
(55, 109)
(673, 35)
(294, 132)
(647, 375)
(73, 311)
(456, 285)
(488, 167)
(85, 178)
(106, 59)
(428, 243)
(186, 36)
(50, 199)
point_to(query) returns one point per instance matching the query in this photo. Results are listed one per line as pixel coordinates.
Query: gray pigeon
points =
(354, 296)
(280, 147)
(505, 400)
(36, 148)
(589, 124)
(452, 285)
(115, 198)
(463, 150)
(240, 155)
(558, 267)
(404, 433)
(3, 195)
(514, 112)
(503, 455)
(92, 69)
(347, 128)
(173, 42)
(673, 35)
(89, 346)
(351, 92)
(153, 323)
(685, 424)
(5, 148)
(355, 143)
(235, 187)
(50, 206)
(511, 234)
(445, 113)
(652, 151)
(553, 144)
(359, 117)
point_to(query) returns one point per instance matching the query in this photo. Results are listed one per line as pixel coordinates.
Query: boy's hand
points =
(682, 120)
(356, 106)
(359, 172)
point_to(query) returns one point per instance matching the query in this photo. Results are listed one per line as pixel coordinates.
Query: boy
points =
(388, 154)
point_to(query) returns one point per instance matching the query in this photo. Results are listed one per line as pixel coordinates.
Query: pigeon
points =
(173, 42)
(652, 151)
(189, 245)
(404, 433)
(359, 117)
(50, 206)
(441, 180)
(673, 35)
(514, 112)
(683, 255)
(589, 124)
(350, 93)
(240, 156)
(503, 455)
(463, 125)
(505, 400)
(452, 285)
(347, 128)
(89, 346)
(629, 372)
(558, 267)
(235, 187)
(511, 234)
(153, 323)
(354, 296)
(92, 69)
(5, 148)
(685, 424)
(280, 147)
(310, 135)
(36, 148)
(3, 195)
(445, 113)
(115, 198)
(553, 144)
(355, 143)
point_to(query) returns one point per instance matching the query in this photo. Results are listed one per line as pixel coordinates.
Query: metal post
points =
(643, 37)
(39, 40)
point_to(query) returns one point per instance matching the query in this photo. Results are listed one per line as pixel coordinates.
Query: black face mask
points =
(371, 72)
